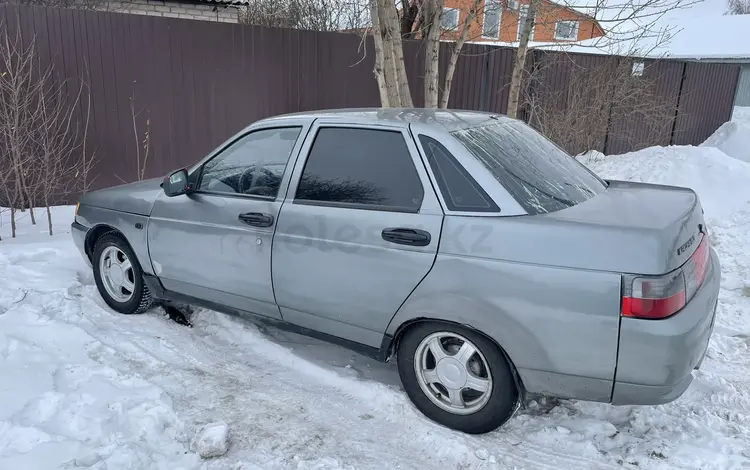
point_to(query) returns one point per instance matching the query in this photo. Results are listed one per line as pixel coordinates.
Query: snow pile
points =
(212, 440)
(741, 114)
(722, 183)
(733, 138)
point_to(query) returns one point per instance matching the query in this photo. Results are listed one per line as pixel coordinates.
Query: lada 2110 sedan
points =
(491, 264)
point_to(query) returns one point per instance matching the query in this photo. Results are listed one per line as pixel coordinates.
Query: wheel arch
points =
(98, 231)
(390, 344)
(95, 233)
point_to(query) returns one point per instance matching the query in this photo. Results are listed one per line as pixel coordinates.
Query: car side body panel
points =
(134, 198)
(133, 226)
(559, 326)
(332, 270)
(670, 348)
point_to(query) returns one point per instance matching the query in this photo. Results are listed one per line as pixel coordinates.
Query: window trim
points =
(493, 207)
(458, 18)
(197, 175)
(562, 38)
(291, 195)
(496, 191)
(498, 4)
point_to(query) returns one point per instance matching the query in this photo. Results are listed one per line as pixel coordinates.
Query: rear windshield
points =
(538, 174)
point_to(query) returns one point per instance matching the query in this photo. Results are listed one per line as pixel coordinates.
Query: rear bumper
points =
(656, 357)
(78, 232)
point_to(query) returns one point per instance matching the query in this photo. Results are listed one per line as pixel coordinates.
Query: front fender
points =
(133, 227)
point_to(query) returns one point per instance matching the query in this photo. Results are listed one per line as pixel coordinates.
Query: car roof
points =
(448, 120)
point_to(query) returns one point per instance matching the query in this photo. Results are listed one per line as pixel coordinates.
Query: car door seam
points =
(434, 260)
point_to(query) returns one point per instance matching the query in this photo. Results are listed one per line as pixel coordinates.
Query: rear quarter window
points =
(537, 173)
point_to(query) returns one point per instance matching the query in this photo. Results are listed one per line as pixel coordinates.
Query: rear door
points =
(358, 231)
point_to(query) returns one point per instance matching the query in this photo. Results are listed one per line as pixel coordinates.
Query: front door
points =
(215, 243)
(358, 232)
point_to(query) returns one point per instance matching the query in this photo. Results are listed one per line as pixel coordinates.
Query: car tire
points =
(134, 297)
(435, 400)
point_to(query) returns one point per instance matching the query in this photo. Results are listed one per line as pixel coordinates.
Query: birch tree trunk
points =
(456, 52)
(392, 35)
(434, 15)
(378, 69)
(518, 65)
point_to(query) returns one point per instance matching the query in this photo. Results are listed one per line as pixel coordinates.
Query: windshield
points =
(538, 174)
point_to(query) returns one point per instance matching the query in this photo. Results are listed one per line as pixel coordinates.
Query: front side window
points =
(361, 168)
(537, 173)
(252, 165)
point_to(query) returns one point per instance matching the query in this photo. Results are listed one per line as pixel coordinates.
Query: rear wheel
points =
(457, 377)
(118, 275)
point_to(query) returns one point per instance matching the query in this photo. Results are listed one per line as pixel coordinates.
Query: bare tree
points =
(145, 143)
(313, 15)
(420, 19)
(61, 165)
(514, 91)
(43, 153)
(456, 52)
(601, 100)
(434, 14)
(738, 7)
(20, 112)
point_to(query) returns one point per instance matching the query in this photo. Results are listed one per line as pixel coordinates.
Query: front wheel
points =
(118, 275)
(457, 377)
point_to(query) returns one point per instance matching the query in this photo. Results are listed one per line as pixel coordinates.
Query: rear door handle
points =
(406, 236)
(256, 219)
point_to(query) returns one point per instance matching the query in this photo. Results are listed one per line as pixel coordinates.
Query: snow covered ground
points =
(81, 386)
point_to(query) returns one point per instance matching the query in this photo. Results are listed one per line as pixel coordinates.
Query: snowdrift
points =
(732, 138)
(722, 182)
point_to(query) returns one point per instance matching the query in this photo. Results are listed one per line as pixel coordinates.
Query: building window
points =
(493, 14)
(566, 30)
(638, 67)
(512, 4)
(450, 18)
(522, 14)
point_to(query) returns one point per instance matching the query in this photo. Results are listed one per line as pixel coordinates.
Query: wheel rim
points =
(453, 373)
(117, 274)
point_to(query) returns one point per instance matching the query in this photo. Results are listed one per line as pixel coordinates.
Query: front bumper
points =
(78, 232)
(656, 357)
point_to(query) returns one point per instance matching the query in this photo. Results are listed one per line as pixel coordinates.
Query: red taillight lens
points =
(654, 297)
(695, 269)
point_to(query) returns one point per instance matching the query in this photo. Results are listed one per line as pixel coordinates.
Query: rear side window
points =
(460, 191)
(361, 168)
(537, 173)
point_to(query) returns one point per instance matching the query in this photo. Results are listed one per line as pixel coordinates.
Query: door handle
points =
(256, 219)
(406, 236)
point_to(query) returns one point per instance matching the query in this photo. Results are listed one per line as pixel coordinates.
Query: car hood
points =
(135, 198)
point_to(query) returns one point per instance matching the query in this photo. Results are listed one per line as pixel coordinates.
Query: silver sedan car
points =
(492, 265)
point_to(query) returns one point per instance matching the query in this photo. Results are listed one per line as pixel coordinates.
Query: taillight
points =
(655, 297)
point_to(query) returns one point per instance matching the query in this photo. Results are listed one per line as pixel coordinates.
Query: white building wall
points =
(226, 14)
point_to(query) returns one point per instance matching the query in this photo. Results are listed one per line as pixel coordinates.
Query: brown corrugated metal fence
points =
(192, 84)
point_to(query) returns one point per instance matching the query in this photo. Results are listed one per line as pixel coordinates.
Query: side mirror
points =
(176, 183)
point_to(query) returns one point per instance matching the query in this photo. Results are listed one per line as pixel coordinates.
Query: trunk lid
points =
(668, 219)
